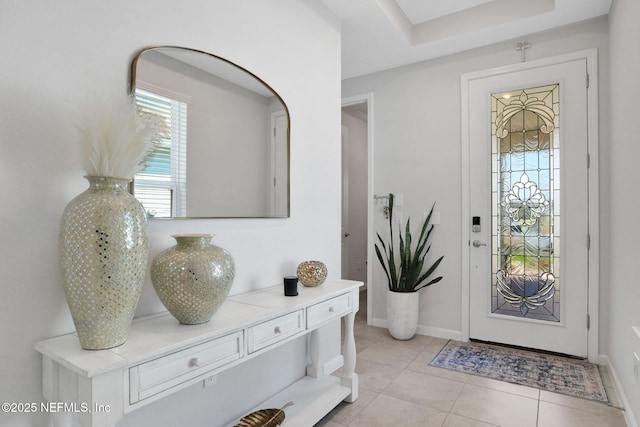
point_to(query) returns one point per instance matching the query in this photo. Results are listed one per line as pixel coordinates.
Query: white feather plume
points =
(115, 137)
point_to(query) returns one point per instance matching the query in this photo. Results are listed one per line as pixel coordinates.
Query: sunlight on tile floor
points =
(398, 388)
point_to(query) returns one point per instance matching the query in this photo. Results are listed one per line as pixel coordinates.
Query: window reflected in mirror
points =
(161, 186)
(227, 154)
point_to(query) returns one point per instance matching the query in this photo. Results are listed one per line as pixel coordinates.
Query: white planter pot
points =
(402, 314)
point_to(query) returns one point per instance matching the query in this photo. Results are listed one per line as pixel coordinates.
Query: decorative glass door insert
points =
(525, 176)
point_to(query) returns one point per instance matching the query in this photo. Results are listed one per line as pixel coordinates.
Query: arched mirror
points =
(227, 155)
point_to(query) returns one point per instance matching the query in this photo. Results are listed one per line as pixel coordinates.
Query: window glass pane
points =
(526, 280)
(161, 184)
(156, 201)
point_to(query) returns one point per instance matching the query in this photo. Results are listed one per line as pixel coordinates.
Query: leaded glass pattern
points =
(525, 148)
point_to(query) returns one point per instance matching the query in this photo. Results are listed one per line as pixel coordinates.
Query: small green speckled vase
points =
(193, 278)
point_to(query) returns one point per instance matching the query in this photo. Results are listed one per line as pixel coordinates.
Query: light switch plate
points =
(399, 217)
(435, 218)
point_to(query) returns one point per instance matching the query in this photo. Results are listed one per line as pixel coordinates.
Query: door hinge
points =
(588, 322)
(587, 80)
(588, 241)
(588, 160)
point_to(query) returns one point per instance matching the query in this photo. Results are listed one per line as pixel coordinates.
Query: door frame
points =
(357, 99)
(591, 57)
(345, 199)
(273, 164)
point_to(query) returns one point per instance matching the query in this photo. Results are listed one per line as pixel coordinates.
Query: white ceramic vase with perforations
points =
(103, 256)
(193, 278)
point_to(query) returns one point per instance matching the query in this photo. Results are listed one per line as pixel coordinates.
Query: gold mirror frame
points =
(268, 201)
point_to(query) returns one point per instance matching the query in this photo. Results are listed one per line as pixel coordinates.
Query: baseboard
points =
(440, 333)
(334, 364)
(378, 322)
(628, 415)
(425, 330)
(326, 368)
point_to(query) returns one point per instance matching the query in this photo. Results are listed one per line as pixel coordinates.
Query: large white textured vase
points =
(402, 314)
(193, 278)
(103, 258)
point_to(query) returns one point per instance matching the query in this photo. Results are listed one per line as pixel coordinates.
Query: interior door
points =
(528, 195)
(344, 230)
(279, 165)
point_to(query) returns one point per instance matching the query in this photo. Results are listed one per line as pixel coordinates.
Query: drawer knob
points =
(277, 330)
(195, 362)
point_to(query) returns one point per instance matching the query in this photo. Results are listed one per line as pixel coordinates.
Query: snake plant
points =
(408, 274)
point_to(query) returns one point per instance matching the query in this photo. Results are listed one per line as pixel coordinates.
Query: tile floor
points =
(399, 388)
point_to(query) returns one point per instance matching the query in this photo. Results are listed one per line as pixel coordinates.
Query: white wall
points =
(417, 152)
(56, 54)
(623, 209)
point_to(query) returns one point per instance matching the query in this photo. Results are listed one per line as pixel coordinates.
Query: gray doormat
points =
(558, 374)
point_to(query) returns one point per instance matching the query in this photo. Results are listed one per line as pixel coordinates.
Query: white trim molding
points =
(430, 331)
(624, 402)
(357, 99)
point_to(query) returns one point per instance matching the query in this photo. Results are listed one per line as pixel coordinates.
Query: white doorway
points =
(527, 132)
(278, 182)
(356, 189)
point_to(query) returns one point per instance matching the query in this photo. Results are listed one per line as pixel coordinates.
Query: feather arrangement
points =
(264, 418)
(115, 137)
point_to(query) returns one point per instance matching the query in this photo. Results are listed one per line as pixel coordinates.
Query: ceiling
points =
(383, 34)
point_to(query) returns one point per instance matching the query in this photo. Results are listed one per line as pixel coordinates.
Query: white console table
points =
(161, 357)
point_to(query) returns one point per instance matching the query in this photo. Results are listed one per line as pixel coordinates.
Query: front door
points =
(528, 198)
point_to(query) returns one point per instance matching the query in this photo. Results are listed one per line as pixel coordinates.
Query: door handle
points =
(478, 243)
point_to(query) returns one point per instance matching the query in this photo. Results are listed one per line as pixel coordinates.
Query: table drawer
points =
(273, 331)
(330, 309)
(150, 378)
